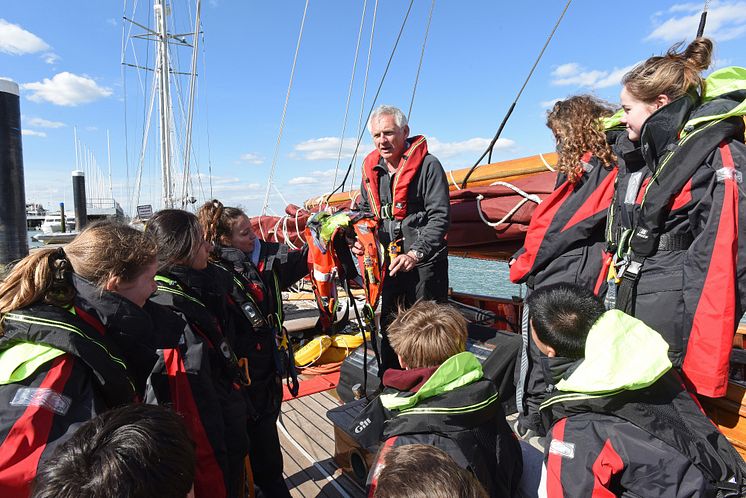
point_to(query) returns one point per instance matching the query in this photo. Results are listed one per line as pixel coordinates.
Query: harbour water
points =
(476, 276)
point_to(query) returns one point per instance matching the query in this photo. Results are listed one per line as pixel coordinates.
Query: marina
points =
(168, 153)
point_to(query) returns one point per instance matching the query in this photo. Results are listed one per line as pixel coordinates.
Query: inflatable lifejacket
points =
(410, 163)
(330, 260)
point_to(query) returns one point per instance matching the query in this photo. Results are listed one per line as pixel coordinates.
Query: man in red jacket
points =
(406, 188)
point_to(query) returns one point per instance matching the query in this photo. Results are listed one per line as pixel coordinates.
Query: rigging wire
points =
(375, 98)
(515, 101)
(349, 93)
(190, 111)
(365, 87)
(422, 56)
(123, 80)
(703, 20)
(284, 112)
(207, 115)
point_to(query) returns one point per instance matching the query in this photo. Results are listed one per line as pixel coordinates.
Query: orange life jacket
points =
(409, 164)
(324, 263)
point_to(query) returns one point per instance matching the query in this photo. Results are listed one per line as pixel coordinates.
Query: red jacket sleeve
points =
(712, 294)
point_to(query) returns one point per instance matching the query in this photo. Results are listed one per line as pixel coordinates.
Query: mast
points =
(164, 102)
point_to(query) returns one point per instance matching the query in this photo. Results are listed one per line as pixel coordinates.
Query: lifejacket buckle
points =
(395, 247)
(387, 211)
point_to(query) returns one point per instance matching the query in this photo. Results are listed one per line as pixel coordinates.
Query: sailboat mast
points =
(164, 102)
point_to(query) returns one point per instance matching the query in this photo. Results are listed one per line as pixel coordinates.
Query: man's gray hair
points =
(399, 117)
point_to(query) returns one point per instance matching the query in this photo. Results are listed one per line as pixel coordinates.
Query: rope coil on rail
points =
(526, 198)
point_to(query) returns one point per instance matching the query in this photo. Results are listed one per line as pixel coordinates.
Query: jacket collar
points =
(457, 371)
(661, 130)
(111, 309)
(621, 352)
(407, 380)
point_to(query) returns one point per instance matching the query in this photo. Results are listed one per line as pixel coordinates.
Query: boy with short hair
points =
(438, 476)
(135, 451)
(441, 398)
(619, 420)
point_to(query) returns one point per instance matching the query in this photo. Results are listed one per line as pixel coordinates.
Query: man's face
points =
(389, 139)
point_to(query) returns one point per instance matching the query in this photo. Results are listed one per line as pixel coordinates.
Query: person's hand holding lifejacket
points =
(403, 262)
(357, 248)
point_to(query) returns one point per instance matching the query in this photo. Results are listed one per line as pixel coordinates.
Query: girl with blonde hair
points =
(72, 344)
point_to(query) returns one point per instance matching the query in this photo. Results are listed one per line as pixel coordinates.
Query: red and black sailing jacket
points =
(259, 329)
(168, 364)
(676, 215)
(566, 239)
(223, 404)
(654, 441)
(58, 372)
(413, 204)
(468, 422)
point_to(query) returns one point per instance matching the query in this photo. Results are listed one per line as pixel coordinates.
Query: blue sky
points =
(66, 57)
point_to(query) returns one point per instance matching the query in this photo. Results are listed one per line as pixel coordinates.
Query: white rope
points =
(526, 198)
(453, 180)
(297, 228)
(261, 229)
(284, 112)
(285, 233)
(276, 228)
(349, 94)
(548, 166)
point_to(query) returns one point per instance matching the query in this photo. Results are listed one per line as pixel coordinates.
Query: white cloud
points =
(112, 22)
(574, 74)
(252, 158)
(223, 184)
(33, 133)
(725, 21)
(15, 40)
(326, 148)
(66, 89)
(546, 104)
(51, 58)
(44, 123)
(477, 145)
(303, 180)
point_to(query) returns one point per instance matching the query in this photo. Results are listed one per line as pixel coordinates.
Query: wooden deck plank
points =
(300, 482)
(309, 410)
(305, 421)
(329, 399)
(310, 437)
(305, 479)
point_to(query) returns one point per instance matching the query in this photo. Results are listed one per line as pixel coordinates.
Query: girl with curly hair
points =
(565, 241)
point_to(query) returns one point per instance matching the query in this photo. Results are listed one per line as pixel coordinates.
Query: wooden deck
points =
(307, 439)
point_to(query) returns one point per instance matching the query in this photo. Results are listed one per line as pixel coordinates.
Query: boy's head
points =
(561, 317)
(422, 471)
(427, 334)
(136, 451)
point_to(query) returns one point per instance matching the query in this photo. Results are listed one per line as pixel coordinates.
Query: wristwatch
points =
(417, 255)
